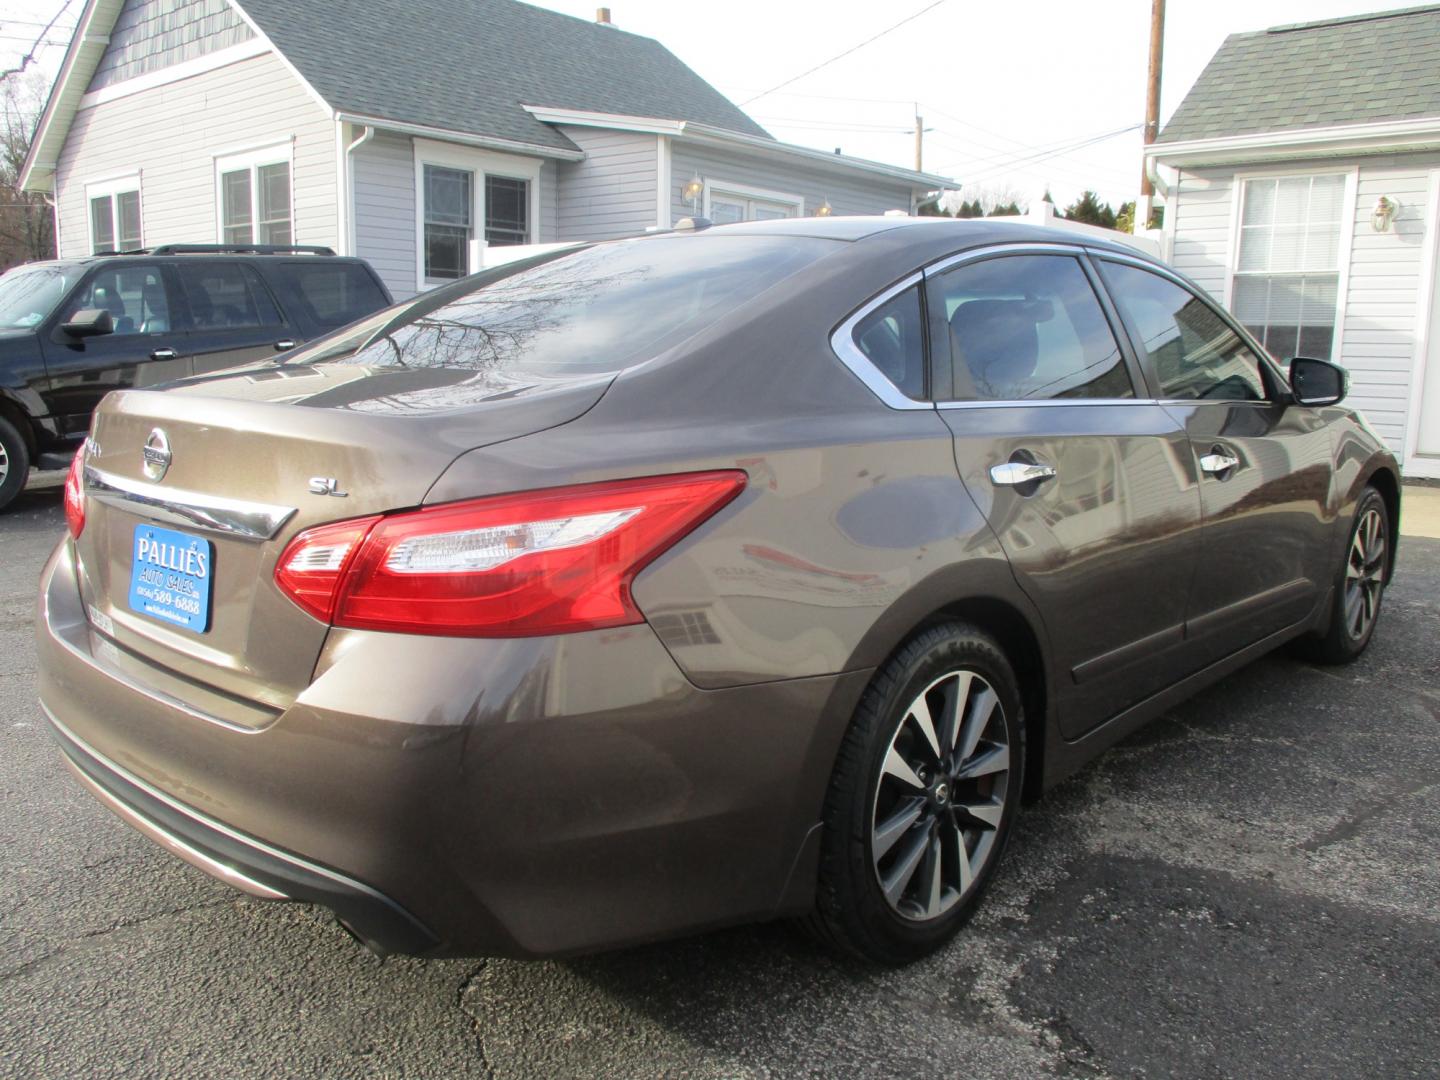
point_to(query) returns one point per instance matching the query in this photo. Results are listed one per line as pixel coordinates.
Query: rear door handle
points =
(1217, 461)
(162, 354)
(284, 345)
(1014, 473)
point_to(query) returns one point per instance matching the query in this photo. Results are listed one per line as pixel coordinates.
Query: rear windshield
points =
(593, 311)
(332, 294)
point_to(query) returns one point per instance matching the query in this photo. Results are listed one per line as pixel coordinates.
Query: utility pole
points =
(1152, 109)
(919, 141)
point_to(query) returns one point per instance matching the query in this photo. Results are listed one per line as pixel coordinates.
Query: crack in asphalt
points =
(460, 992)
(90, 936)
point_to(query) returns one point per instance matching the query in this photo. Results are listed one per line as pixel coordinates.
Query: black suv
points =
(73, 330)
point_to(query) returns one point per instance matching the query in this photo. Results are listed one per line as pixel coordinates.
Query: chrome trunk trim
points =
(234, 517)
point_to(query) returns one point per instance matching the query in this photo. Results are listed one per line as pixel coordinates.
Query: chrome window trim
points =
(1045, 403)
(842, 343)
(949, 262)
(234, 517)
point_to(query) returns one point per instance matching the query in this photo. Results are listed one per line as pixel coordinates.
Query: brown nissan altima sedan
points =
(732, 573)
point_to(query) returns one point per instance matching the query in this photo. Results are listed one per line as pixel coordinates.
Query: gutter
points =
(1336, 141)
(485, 142)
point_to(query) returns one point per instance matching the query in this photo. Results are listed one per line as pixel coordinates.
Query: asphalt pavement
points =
(1250, 887)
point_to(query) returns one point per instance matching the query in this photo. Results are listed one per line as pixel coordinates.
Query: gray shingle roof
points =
(1362, 69)
(468, 65)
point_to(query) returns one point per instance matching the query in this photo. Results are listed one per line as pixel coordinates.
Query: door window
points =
(892, 337)
(1193, 351)
(226, 296)
(134, 296)
(1029, 327)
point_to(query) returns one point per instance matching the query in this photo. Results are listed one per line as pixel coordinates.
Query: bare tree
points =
(27, 226)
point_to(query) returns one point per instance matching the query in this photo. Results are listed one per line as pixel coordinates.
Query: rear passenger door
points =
(233, 317)
(1089, 488)
(1265, 465)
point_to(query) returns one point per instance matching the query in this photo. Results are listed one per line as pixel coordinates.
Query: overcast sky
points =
(1001, 84)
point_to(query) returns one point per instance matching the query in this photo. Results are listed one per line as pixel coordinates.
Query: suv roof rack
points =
(239, 249)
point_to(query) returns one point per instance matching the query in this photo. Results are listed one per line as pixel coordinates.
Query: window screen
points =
(448, 226)
(507, 210)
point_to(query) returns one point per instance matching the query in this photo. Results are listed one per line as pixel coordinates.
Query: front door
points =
(1265, 465)
(233, 318)
(1090, 488)
(143, 348)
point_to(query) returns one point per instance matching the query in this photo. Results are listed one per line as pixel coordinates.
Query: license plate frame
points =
(172, 577)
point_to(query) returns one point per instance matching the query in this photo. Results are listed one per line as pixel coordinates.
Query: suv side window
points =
(1029, 327)
(332, 293)
(134, 295)
(892, 337)
(1193, 351)
(226, 296)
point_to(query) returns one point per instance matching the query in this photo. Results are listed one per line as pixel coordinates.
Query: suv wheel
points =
(14, 462)
(1359, 585)
(922, 796)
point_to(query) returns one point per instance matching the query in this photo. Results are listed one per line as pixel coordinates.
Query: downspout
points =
(348, 201)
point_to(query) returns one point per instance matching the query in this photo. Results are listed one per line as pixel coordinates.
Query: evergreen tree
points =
(1091, 211)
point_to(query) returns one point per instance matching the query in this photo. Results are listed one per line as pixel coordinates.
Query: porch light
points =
(693, 190)
(1384, 213)
(824, 209)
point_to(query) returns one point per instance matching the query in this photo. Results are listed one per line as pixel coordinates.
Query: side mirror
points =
(1317, 382)
(89, 322)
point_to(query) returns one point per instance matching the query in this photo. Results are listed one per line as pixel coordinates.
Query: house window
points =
(1287, 267)
(115, 215)
(254, 198)
(448, 229)
(729, 203)
(507, 203)
(469, 200)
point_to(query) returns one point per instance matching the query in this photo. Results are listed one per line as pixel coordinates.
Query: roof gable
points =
(1357, 70)
(469, 65)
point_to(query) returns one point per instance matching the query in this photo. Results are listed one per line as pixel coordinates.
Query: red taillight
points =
(541, 562)
(75, 494)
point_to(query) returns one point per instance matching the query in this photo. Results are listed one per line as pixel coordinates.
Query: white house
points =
(1301, 179)
(415, 133)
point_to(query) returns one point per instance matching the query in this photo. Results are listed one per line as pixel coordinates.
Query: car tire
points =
(892, 892)
(14, 463)
(1359, 585)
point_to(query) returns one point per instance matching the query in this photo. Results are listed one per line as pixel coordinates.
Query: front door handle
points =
(162, 354)
(1218, 461)
(1015, 473)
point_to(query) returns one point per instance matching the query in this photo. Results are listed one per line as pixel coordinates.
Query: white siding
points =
(383, 173)
(612, 192)
(1202, 228)
(850, 192)
(171, 134)
(1378, 339)
(384, 185)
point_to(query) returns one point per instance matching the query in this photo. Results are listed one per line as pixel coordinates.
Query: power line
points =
(838, 56)
(1035, 159)
(1025, 152)
(29, 57)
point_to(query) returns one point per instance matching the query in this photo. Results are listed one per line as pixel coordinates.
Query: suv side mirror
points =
(1317, 382)
(89, 322)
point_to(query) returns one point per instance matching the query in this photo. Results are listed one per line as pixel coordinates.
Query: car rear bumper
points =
(520, 797)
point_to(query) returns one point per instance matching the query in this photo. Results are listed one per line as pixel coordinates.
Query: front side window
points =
(29, 293)
(892, 337)
(1029, 327)
(115, 221)
(134, 296)
(449, 226)
(226, 296)
(1287, 267)
(255, 202)
(1194, 352)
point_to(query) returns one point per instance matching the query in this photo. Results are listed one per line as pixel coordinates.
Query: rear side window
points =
(332, 294)
(594, 311)
(1195, 353)
(226, 296)
(892, 337)
(1029, 327)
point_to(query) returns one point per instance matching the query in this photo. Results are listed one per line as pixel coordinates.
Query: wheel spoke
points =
(993, 760)
(904, 868)
(932, 871)
(894, 827)
(957, 693)
(897, 767)
(962, 859)
(920, 713)
(977, 718)
(987, 813)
